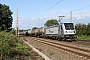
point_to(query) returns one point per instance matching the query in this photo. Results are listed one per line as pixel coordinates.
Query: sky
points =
(35, 13)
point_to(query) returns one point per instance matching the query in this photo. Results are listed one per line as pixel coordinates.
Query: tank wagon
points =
(28, 32)
(34, 32)
(41, 32)
(64, 31)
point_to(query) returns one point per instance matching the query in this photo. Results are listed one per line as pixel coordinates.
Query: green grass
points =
(85, 37)
(12, 47)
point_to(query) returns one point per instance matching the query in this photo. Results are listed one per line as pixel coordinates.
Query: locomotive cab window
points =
(69, 26)
(61, 27)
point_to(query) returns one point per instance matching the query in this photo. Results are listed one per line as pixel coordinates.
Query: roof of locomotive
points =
(57, 25)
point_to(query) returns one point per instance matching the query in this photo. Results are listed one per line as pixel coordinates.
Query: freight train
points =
(63, 31)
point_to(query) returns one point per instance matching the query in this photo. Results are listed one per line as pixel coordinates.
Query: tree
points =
(88, 29)
(51, 22)
(5, 17)
(80, 29)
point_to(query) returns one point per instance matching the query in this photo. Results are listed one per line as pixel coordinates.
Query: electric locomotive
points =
(64, 31)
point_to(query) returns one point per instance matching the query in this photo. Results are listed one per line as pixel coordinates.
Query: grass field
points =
(84, 37)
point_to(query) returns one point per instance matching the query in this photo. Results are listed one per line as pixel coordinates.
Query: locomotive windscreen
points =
(69, 26)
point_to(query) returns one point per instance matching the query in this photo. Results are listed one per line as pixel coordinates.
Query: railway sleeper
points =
(80, 53)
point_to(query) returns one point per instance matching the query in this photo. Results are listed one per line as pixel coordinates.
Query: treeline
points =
(82, 29)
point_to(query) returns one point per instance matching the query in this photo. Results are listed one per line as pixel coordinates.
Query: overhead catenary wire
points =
(83, 15)
(78, 9)
(41, 6)
(76, 3)
(67, 8)
(51, 7)
(59, 2)
(54, 5)
(81, 8)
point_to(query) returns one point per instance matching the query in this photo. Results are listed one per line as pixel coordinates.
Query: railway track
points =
(72, 49)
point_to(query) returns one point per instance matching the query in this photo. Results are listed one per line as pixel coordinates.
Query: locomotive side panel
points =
(52, 32)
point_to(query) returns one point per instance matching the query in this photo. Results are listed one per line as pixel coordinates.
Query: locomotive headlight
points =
(66, 31)
(74, 31)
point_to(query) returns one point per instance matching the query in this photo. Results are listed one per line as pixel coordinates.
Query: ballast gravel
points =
(52, 52)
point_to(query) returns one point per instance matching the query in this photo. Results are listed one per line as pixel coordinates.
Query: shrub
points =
(11, 46)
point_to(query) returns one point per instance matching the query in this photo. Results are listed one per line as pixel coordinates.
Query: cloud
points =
(81, 14)
(77, 17)
(55, 13)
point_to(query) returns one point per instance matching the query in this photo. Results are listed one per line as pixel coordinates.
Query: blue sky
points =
(34, 13)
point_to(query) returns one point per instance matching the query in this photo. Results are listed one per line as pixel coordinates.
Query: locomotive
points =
(63, 31)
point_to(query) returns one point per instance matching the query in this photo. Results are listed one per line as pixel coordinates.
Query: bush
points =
(11, 47)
